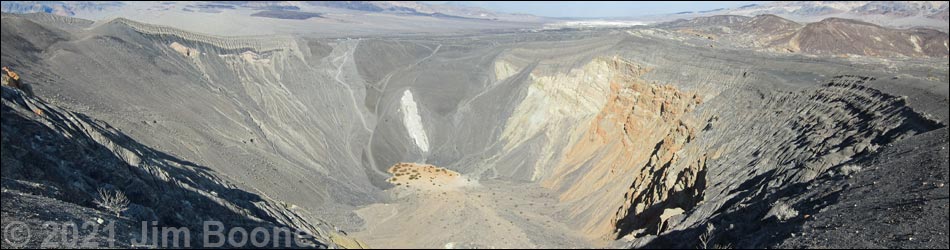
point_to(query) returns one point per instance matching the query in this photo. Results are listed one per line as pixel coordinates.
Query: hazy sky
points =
(602, 8)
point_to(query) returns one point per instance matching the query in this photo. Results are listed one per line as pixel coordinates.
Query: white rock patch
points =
(185, 51)
(251, 57)
(916, 42)
(413, 122)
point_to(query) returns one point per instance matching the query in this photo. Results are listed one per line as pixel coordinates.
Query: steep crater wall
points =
(641, 159)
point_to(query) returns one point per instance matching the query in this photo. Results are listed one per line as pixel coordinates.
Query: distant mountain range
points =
(62, 8)
(321, 19)
(71, 8)
(897, 14)
(831, 36)
(412, 7)
(866, 8)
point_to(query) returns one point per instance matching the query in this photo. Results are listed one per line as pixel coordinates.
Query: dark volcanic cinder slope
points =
(851, 200)
(796, 153)
(56, 155)
(583, 138)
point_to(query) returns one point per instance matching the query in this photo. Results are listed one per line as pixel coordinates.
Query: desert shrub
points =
(848, 170)
(708, 237)
(782, 212)
(113, 201)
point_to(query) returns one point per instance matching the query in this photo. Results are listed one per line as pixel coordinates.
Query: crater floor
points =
(489, 214)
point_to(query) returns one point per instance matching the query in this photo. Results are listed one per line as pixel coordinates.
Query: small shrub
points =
(114, 201)
(782, 212)
(705, 238)
(708, 237)
(849, 170)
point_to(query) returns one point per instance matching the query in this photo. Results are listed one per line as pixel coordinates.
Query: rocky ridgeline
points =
(257, 44)
(57, 20)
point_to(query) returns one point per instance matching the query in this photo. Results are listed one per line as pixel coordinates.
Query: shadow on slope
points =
(760, 214)
(71, 156)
